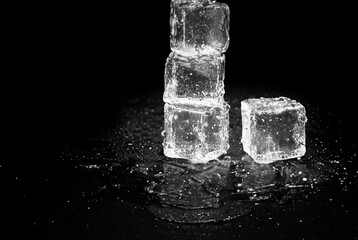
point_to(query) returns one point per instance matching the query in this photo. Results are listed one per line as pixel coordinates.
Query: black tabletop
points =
(86, 174)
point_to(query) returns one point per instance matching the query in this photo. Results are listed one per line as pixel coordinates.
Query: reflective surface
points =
(116, 183)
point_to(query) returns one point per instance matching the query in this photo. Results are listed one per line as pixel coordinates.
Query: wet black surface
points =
(113, 182)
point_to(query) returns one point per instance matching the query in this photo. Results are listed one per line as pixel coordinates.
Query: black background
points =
(79, 60)
(74, 63)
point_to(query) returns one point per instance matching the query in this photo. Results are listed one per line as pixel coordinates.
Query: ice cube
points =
(199, 26)
(198, 2)
(197, 133)
(194, 78)
(273, 128)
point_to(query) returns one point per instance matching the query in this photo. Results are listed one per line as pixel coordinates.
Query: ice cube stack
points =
(195, 113)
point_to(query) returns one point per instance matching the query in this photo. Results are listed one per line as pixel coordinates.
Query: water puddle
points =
(128, 164)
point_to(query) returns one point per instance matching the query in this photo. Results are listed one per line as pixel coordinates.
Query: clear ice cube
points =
(198, 2)
(197, 133)
(273, 128)
(199, 26)
(194, 78)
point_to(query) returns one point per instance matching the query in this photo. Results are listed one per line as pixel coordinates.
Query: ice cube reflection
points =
(219, 183)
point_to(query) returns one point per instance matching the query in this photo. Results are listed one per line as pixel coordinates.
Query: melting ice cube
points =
(273, 128)
(197, 133)
(199, 78)
(200, 26)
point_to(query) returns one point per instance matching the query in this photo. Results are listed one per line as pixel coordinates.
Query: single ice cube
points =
(199, 79)
(200, 27)
(197, 133)
(273, 128)
(192, 2)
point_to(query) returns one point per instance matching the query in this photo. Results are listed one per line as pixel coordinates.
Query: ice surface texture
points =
(198, 133)
(273, 128)
(199, 26)
(198, 79)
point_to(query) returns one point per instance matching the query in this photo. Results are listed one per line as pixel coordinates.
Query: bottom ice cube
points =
(197, 133)
(273, 129)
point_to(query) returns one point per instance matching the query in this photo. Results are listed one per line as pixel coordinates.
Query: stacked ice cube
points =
(196, 115)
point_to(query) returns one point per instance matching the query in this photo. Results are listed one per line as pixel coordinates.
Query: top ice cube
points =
(273, 128)
(199, 27)
(199, 2)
